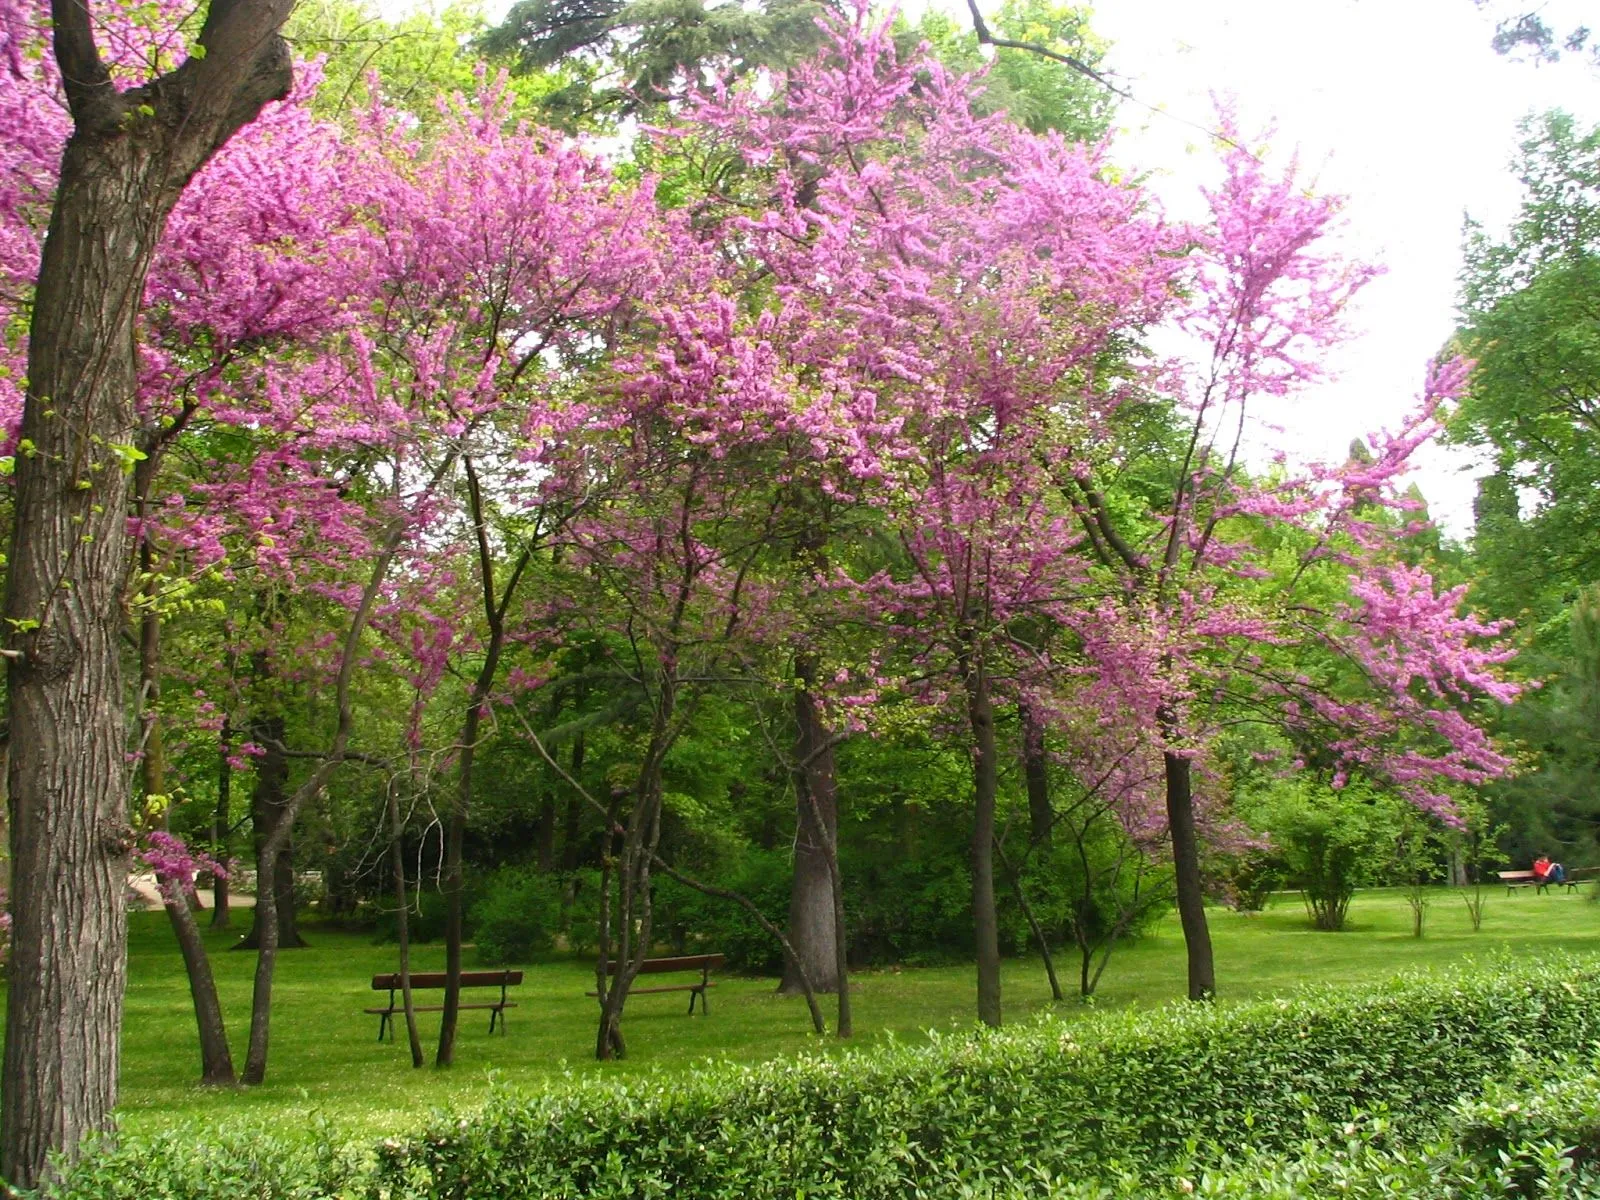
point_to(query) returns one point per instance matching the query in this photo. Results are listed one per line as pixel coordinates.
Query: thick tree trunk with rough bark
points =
(129, 157)
(812, 924)
(986, 791)
(1186, 868)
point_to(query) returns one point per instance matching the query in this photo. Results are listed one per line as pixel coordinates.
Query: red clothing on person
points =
(1541, 867)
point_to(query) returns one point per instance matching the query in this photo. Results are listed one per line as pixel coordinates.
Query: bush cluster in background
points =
(1117, 1100)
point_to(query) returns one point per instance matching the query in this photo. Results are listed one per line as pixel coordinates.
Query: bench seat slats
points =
(399, 1008)
(436, 981)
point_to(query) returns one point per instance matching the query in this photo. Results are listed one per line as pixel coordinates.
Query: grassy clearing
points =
(325, 1057)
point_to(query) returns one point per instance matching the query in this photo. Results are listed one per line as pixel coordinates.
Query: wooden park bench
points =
(433, 981)
(1519, 879)
(704, 963)
(1516, 879)
(1576, 876)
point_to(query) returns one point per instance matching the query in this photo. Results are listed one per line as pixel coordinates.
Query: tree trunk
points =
(1035, 770)
(402, 913)
(572, 824)
(1186, 869)
(986, 790)
(216, 1061)
(220, 917)
(634, 910)
(1015, 877)
(129, 157)
(812, 927)
(455, 836)
(269, 807)
(544, 837)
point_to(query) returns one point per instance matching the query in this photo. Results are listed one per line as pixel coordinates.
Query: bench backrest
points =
(686, 962)
(1513, 876)
(435, 979)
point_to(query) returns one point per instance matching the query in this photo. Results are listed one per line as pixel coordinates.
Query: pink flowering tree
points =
(514, 260)
(1217, 583)
(919, 257)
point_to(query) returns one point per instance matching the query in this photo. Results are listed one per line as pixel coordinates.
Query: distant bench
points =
(1522, 879)
(435, 980)
(704, 963)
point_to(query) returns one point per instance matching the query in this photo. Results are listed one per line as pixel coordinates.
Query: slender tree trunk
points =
(812, 927)
(634, 919)
(544, 838)
(494, 613)
(270, 808)
(1186, 868)
(986, 790)
(397, 860)
(255, 1064)
(572, 823)
(1035, 770)
(216, 1061)
(455, 838)
(1015, 877)
(220, 917)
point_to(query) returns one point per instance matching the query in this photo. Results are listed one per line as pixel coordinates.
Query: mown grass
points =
(325, 1058)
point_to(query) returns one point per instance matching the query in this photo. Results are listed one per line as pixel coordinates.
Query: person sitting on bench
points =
(1546, 871)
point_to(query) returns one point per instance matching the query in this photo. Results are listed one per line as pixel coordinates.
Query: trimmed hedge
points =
(1525, 1139)
(1130, 1096)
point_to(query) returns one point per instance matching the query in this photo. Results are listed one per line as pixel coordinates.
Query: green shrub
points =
(1120, 1101)
(1333, 842)
(226, 1162)
(517, 915)
(1127, 1093)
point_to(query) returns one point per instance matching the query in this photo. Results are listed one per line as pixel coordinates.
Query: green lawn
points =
(325, 1056)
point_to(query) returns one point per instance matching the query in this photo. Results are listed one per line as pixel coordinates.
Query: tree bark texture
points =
(1036, 772)
(1186, 868)
(812, 925)
(220, 917)
(402, 917)
(129, 157)
(269, 808)
(985, 790)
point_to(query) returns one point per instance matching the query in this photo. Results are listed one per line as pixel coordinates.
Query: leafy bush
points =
(517, 916)
(1243, 880)
(1521, 1139)
(1332, 843)
(1125, 1100)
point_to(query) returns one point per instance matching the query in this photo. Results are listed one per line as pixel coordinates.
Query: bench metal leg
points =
(383, 1024)
(496, 1015)
(700, 992)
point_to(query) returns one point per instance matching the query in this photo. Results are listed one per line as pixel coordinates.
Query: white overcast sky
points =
(1399, 105)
